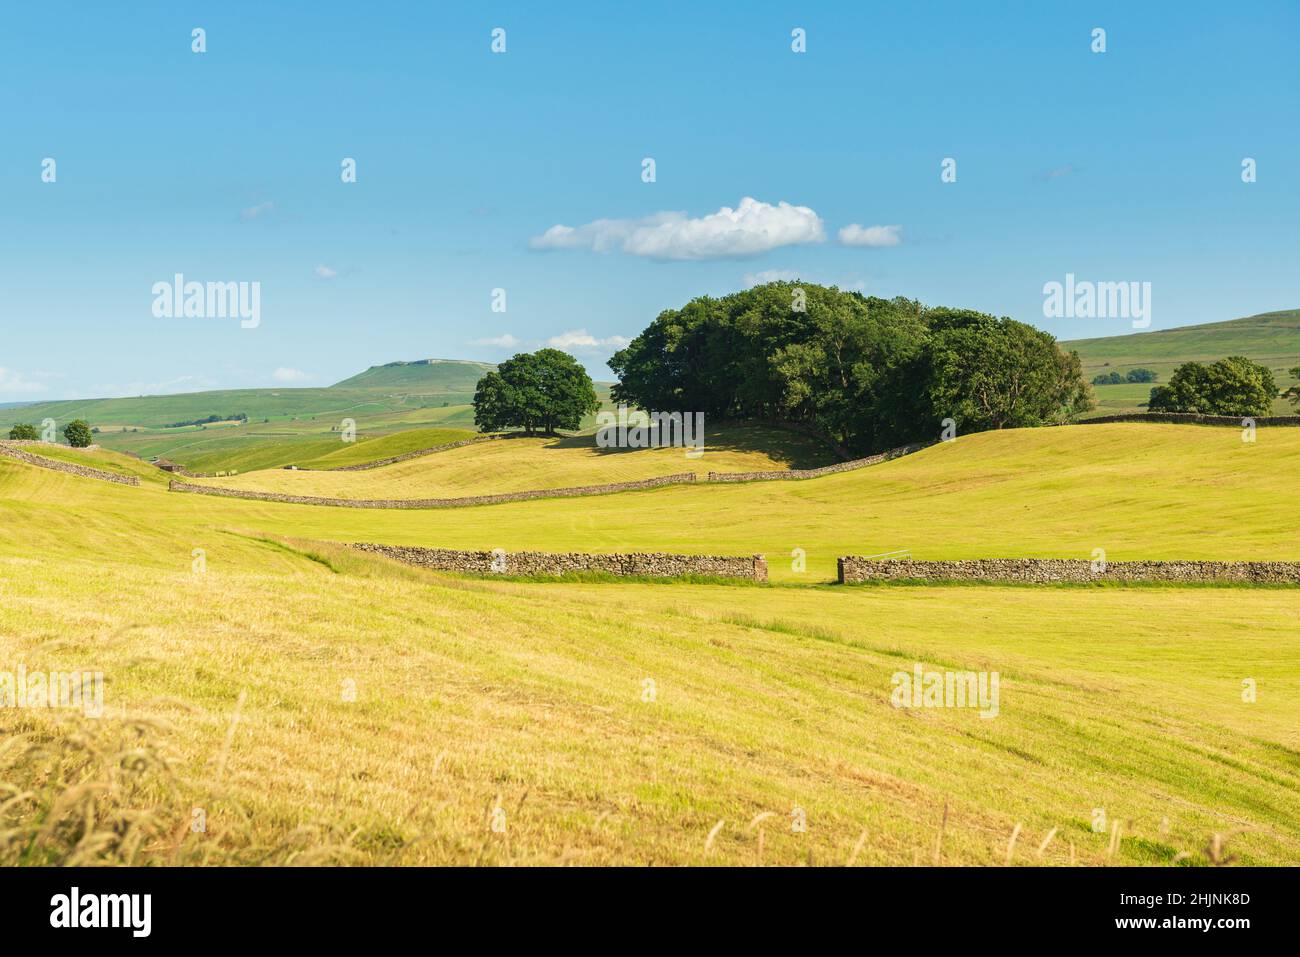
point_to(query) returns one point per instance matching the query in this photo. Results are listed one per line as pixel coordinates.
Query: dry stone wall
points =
(651, 564)
(1190, 418)
(57, 465)
(777, 474)
(1046, 571)
(684, 477)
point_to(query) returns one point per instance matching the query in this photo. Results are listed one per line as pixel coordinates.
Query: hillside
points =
(520, 464)
(284, 426)
(422, 375)
(1271, 338)
(460, 696)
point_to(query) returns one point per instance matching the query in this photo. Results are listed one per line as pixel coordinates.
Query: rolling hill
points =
(521, 464)
(382, 712)
(421, 376)
(1270, 338)
(284, 426)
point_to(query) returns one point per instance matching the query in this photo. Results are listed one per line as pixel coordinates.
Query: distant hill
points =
(432, 375)
(1270, 338)
(397, 386)
(283, 425)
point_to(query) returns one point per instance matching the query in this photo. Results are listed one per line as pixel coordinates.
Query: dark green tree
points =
(1231, 386)
(988, 373)
(540, 391)
(78, 433)
(1293, 392)
(791, 351)
(24, 431)
(1140, 375)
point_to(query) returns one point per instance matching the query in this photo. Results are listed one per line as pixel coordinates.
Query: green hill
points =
(431, 375)
(1270, 338)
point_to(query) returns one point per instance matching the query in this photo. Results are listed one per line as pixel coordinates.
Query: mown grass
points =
(1138, 491)
(531, 697)
(519, 464)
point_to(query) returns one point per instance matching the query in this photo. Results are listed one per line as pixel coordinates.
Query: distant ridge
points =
(432, 375)
(1270, 338)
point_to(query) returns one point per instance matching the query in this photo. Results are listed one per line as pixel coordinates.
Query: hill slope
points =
(520, 464)
(1271, 338)
(421, 375)
(472, 695)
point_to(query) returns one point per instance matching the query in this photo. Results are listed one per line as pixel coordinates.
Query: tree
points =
(867, 374)
(1140, 375)
(1293, 393)
(545, 390)
(798, 352)
(25, 432)
(1112, 378)
(988, 373)
(78, 434)
(1232, 386)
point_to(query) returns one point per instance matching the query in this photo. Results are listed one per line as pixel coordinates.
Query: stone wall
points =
(57, 465)
(653, 564)
(1053, 570)
(683, 477)
(777, 474)
(1189, 418)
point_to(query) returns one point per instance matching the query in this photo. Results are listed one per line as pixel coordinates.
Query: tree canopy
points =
(544, 390)
(78, 433)
(866, 373)
(1231, 386)
(23, 430)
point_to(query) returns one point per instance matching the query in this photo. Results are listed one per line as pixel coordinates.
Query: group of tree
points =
(208, 419)
(866, 373)
(77, 432)
(538, 392)
(1134, 375)
(1231, 386)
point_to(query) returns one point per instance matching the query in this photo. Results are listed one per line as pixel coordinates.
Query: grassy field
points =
(1272, 339)
(320, 705)
(284, 426)
(517, 464)
(1135, 490)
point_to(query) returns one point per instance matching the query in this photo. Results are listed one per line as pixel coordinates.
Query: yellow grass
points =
(505, 465)
(473, 695)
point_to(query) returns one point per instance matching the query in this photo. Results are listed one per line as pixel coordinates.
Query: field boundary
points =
(1049, 571)
(787, 474)
(632, 564)
(418, 503)
(71, 468)
(1190, 418)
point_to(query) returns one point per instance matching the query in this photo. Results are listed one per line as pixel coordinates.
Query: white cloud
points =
(14, 383)
(324, 272)
(285, 374)
(753, 227)
(504, 341)
(580, 340)
(875, 236)
(1057, 173)
(252, 212)
(770, 275)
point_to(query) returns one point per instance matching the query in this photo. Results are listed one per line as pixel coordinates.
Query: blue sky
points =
(225, 166)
